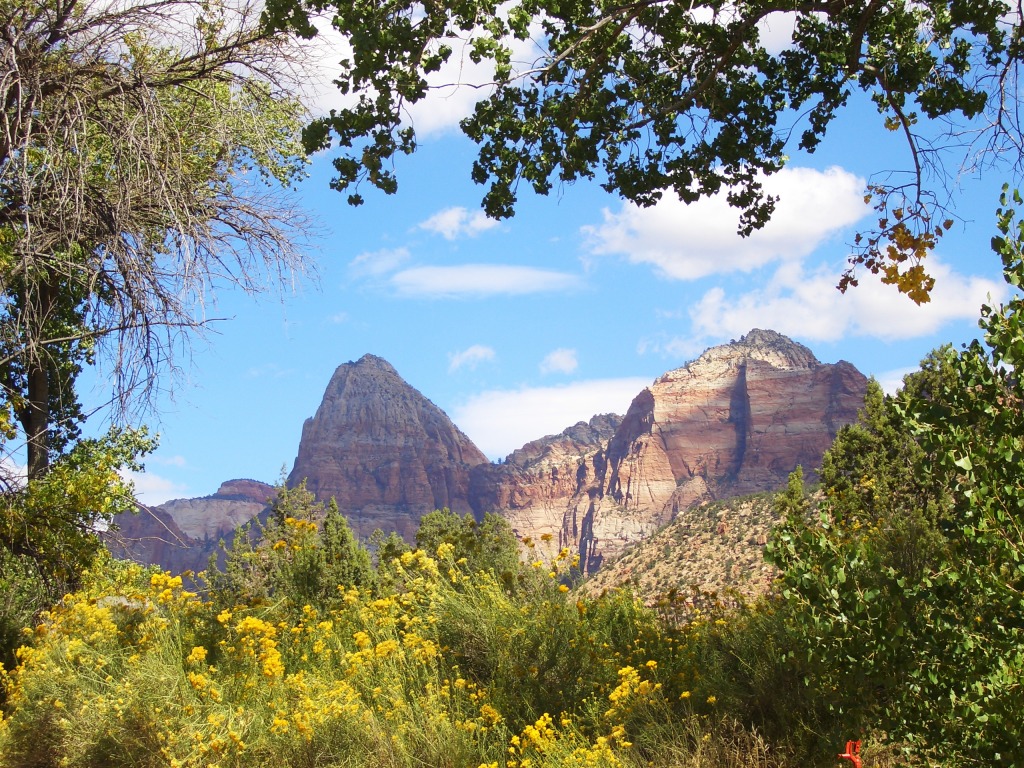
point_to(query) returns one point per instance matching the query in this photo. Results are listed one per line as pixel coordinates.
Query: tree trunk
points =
(35, 415)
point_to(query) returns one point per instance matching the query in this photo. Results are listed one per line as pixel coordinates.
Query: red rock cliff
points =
(735, 421)
(385, 452)
(181, 534)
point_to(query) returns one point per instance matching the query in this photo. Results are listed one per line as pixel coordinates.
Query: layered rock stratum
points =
(181, 534)
(383, 451)
(735, 421)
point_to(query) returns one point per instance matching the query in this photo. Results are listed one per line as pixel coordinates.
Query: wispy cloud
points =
(686, 242)
(809, 306)
(167, 461)
(453, 90)
(559, 361)
(890, 381)
(378, 263)
(269, 371)
(153, 489)
(480, 280)
(469, 358)
(499, 421)
(452, 223)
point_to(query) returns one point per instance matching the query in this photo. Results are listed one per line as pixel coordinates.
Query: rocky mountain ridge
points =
(734, 421)
(181, 534)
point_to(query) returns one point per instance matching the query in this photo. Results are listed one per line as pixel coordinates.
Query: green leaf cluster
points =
(687, 99)
(486, 545)
(50, 526)
(303, 553)
(908, 584)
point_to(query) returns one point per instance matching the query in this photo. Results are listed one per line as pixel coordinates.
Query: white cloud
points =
(13, 474)
(677, 347)
(338, 318)
(499, 421)
(776, 31)
(322, 66)
(153, 489)
(269, 371)
(810, 307)
(480, 280)
(470, 357)
(460, 83)
(559, 361)
(458, 222)
(377, 263)
(686, 242)
(453, 92)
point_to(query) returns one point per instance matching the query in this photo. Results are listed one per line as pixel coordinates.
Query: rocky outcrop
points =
(715, 549)
(531, 486)
(735, 421)
(385, 452)
(181, 534)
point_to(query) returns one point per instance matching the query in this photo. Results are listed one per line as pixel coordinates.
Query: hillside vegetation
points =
(715, 550)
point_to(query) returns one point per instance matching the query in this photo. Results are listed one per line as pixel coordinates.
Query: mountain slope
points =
(735, 421)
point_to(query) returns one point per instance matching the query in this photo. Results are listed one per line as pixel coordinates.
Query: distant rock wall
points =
(531, 486)
(180, 535)
(735, 421)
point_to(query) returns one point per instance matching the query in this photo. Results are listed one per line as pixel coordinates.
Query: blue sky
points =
(520, 328)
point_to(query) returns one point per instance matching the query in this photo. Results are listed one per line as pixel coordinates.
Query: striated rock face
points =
(383, 451)
(531, 487)
(235, 502)
(735, 421)
(181, 534)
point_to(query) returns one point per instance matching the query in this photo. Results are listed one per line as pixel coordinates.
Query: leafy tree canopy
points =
(487, 545)
(657, 97)
(908, 587)
(132, 138)
(305, 553)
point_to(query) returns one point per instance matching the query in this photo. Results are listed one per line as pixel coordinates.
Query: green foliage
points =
(54, 520)
(49, 529)
(741, 659)
(126, 195)
(448, 667)
(134, 670)
(23, 595)
(305, 553)
(907, 591)
(488, 545)
(685, 99)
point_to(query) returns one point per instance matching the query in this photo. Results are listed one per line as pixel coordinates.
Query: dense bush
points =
(905, 591)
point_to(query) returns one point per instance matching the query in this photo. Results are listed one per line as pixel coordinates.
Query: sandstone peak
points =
(372, 361)
(245, 489)
(385, 452)
(765, 346)
(735, 421)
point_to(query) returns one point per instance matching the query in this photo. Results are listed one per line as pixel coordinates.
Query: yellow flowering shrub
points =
(138, 668)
